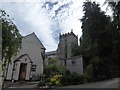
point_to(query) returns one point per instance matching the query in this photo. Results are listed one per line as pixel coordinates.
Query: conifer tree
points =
(115, 28)
(96, 45)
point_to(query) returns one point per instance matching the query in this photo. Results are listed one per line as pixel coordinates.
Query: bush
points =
(88, 74)
(41, 84)
(52, 61)
(96, 70)
(72, 79)
(52, 70)
(67, 72)
(61, 69)
(55, 80)
(47, 80)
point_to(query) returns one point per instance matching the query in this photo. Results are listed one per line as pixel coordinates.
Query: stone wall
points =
(74, 64)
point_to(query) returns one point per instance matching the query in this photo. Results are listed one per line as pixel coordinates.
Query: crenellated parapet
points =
(68, 34)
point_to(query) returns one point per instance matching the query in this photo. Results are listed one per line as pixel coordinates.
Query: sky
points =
(47, 18)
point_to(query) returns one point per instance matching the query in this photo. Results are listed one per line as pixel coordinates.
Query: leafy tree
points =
(11, 39)
(52, 60)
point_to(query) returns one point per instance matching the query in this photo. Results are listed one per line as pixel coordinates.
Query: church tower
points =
(67, 40)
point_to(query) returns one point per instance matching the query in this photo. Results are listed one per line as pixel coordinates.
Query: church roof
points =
(51, 53)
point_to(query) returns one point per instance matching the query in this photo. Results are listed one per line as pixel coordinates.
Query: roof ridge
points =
(29, 34)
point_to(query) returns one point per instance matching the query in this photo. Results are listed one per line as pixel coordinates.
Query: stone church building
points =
(64, 53)
(28, 64)
(66, 42)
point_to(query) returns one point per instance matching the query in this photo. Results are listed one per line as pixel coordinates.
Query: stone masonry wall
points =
(74, 64)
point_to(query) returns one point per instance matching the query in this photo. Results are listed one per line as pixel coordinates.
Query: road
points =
(113, 83)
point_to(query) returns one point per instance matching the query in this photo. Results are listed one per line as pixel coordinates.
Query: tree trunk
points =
(1, 75)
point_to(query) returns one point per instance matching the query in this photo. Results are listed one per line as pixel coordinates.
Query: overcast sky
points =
(47, 18)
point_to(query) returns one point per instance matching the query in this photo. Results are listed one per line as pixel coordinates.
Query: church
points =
(29, 62)
(64, 53)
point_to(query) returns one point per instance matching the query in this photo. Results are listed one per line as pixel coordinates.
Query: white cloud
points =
(30, 17)
(59, 16)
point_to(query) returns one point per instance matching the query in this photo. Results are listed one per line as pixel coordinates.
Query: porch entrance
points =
(23, 69)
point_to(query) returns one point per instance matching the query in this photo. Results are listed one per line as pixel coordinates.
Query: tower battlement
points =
(68, 34)
(66, 43)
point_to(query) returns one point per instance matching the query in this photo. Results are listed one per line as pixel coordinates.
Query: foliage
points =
(59, 75)
(96, 44)
(75, 50)
(61, 69)
(88, 73)
(52, 60)
(94, 24)
(55, 80)
(11, 38)
(41, 84)
(115, 28)
(52, 70)
(66, 79)
(72, 79)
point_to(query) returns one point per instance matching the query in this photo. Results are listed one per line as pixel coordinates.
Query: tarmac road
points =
(113, 83)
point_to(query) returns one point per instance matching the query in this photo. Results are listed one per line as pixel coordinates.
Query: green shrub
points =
(88, 73)
(72, 79)
(67, 78)
(61, 69)
(67, 72)
(41, 83)
(52, 70)
(47, 80)
(52, 61)
(55, 80)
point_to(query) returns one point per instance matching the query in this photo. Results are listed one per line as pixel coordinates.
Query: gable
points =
(32, 38)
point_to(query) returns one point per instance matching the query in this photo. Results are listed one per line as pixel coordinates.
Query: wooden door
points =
(22, 74)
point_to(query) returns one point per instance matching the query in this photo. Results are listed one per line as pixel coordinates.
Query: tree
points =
(96, 39)
(115, 28)
(52, 60)
(11, 39)
(75, 50)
